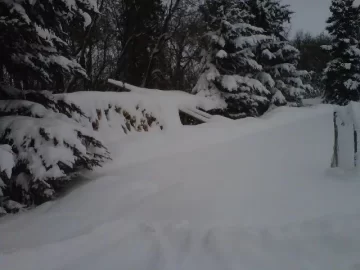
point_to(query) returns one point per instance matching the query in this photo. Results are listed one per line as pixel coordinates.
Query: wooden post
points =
(355, 146)
(335, 159)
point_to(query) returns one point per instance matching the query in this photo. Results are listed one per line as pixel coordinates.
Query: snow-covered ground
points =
(249, 194)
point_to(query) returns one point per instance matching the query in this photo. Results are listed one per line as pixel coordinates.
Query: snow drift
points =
(47, 140)
(136, 111)
(251, 194)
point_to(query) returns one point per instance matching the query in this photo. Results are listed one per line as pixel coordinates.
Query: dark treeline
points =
(313, 57)
(68, 46)
(146, 43)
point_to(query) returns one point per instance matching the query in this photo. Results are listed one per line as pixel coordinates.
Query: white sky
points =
(310, 15)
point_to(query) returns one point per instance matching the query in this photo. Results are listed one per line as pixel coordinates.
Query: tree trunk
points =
(161, 41)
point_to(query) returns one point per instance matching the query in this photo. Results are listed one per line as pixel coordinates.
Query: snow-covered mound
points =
(54, 137)
(119, 113)
(114, 113)
(249, 194)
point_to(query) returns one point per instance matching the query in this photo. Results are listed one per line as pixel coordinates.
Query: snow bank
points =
(174, 97)
(143, 147)
(259, 199)
(115, 115)
(118, 114)
(53, 137)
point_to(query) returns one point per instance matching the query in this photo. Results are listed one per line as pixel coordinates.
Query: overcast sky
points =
(310, 15)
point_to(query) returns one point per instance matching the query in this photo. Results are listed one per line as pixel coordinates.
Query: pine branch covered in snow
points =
(37, 104)
(34, 37)
(49, 151)
(47, 139)
(44, 142)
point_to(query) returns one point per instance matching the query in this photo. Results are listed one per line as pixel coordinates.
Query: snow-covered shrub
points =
(120, 113)
(45, 141)
(51, 138)
(143, 121)
(47, 152)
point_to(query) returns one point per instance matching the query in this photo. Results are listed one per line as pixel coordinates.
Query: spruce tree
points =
(229, 60)
(277, 56)
(34, 40)
(342, 74)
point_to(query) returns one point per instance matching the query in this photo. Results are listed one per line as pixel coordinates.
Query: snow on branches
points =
(342, 74)
(34, 36)
(230, 60)
(248, 65)
(44, 143)
(46, 140)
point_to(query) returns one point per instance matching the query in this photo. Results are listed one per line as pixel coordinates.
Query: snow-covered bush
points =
(114, 115)
(127, 121)
(45, 141)
(50, 138)
(48, 151)
(38, 104)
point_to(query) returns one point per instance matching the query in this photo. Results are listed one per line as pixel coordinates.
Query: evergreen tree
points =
(229, 60)
(34, 38)
(342, 74)
(277, 56)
